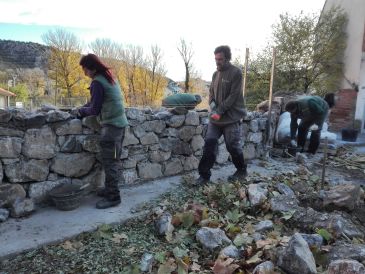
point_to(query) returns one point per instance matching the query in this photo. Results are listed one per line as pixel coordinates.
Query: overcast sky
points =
(204, 23)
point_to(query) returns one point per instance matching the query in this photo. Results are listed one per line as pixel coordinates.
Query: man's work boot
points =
(105, 203)
(239, 175)
(201, 181)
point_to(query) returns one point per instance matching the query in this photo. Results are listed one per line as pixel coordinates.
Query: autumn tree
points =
(186, 53)
(63, 61)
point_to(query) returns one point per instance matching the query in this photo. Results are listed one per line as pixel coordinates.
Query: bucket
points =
(67, 196)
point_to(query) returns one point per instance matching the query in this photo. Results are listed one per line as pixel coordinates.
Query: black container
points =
(66, 196)
(349, 135)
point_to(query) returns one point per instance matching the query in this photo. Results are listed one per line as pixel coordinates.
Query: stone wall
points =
(43, 149)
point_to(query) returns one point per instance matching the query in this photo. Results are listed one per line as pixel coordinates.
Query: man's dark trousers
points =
(314, 141)
(111, 145)
(232, 136)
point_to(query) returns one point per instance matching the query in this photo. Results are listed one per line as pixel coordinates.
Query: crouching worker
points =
(108, 103)
(312, 110)
(181, 102)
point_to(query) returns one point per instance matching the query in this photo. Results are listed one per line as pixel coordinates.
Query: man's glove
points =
(215, 116)
(76, 113)
(313, 128)
(293, 143)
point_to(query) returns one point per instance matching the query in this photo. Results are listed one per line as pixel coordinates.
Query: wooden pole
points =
(324, 162)
(270, 96)
(245, 72)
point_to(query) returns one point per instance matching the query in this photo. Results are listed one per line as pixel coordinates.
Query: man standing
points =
(227, 110)
(312, 110)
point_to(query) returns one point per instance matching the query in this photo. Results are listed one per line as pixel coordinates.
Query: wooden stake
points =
(245, 72)
(270, 96)
(324, 162)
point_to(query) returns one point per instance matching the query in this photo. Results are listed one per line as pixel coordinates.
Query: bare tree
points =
(64, 58)
(110, 52)
(158, 73)
(186, 53)
(132, 60)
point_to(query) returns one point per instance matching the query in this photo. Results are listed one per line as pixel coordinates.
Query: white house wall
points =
(360, 104)
(355, 10)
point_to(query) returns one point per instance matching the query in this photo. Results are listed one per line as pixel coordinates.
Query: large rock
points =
(212, 238)
(192, 118)
(5, 116)
(11, 132)
(249, 151)
(313, 240)
(146, 263)
(180, 148)
(4, 214)
(159, 156)
(264, 226)
(10, 147)
(346, 267)
(91, 122)
(166, 144)
(191, 163)
(297, 257)
(346, 251)
(307, 218)
(129, 138)
(21, 208)
(231, 251)
(57, 116)
(73, 165)
(1, 172)
(186, 133)
(95, 179)
(135, 114)
(156, 126)
(254, 125)
(345, 197)
(223, 154)
(265, 268)
(176, 121)
(91, 143)
(73, 126)
(27, 171)
(9, 193)
(28, 119)
(173, 167)
(130, 176)
(255, 137)
(284, 203)
(139, 131)
(257, 193)
(137, 149)
(285, 189)
(39, 143)
(129, 163)
(197, 142)
(149, 139)
(169, 132)
(39, 191)
(148, 171)
(163, 224)
(72, 144)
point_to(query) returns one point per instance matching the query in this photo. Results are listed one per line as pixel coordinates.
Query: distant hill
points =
(15, 54)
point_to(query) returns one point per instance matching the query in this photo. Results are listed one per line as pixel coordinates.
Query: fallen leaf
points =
(195, 267)
(67, 246)
(182, 267)
(167, 267)
(255, 259)
(187, 219)
(222, 266)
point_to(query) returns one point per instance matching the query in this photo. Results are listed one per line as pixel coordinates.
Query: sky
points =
(205, 24)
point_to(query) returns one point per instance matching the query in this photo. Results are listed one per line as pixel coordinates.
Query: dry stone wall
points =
(43, 149)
